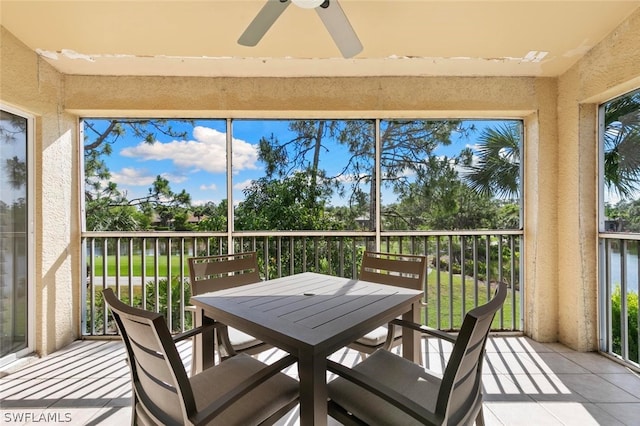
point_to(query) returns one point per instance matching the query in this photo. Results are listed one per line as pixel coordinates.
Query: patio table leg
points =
(313, 389)
(411, 346)
(203, 353)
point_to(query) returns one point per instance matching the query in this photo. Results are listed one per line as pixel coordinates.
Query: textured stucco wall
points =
(608, 70)
(283, 97)
(32, 85)
(540, 254)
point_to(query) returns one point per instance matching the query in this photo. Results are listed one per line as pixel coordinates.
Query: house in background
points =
(550, 64)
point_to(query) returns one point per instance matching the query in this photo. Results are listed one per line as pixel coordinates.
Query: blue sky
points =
(197, 163)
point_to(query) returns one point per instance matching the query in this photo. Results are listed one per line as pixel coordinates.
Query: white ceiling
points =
(400, 37)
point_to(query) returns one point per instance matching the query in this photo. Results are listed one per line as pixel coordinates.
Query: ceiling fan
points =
(329, 11)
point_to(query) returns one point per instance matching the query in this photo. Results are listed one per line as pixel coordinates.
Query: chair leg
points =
(480, 418)
(193, 346)
(134, 414)
(194, 356)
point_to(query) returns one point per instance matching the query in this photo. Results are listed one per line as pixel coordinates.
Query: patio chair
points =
(401, 270)
(388, 389)
(211, 273)
(240, 391)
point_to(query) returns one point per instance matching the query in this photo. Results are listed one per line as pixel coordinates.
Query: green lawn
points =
(430, 311)
(458, 311)
(137, 266)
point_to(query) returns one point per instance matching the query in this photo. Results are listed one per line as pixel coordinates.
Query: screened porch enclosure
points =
(422, 61)
(307, 195)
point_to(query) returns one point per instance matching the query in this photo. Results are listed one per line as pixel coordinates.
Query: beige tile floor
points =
(525, 383)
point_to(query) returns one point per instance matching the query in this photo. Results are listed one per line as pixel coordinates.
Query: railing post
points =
(624, 327)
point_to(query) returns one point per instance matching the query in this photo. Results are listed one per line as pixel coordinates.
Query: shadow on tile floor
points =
(525, 383)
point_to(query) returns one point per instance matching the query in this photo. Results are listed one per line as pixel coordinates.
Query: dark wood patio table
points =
(311, 315)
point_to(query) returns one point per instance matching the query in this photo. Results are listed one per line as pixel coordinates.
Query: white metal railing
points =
(463, 268)
(619, 281)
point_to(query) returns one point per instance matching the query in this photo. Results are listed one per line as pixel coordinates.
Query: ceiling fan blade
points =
(340, 29)
(262, 22)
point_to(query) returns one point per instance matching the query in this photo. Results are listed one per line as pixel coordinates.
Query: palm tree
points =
(622, 145)
(496, 172)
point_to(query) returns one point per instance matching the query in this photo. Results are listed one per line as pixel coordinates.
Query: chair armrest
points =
(216, 407)
(190, 333)
(425, 330)
(381, 390)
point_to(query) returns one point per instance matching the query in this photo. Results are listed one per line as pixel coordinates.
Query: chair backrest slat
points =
(210, 273)
(462, 378)
(402, 270)
(158, 375)
(148, 354)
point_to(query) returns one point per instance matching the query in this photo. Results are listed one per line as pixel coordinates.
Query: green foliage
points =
(443, 203)
(285, 204)
(102, 216)
(627, 215)
(109, 209)
(622, 145)
(632, 323)
(295, 192)
(508, 215)
(179, 300)
(344, 217)
(407, 149)
(301, 254)
(214, 218)
(150, 289)
(97, 316)
(497, 172)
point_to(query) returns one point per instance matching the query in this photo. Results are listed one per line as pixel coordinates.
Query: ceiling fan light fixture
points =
(308, 4)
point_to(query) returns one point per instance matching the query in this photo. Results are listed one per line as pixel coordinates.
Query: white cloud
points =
(212, 187)
(203, 202)
(133, 177)
(350, 178)
(245, 155)
(405, 173)
(474, 147)
(243, 185)
(612, 197)
(207, 152)
(129, 176)
(174, 178)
